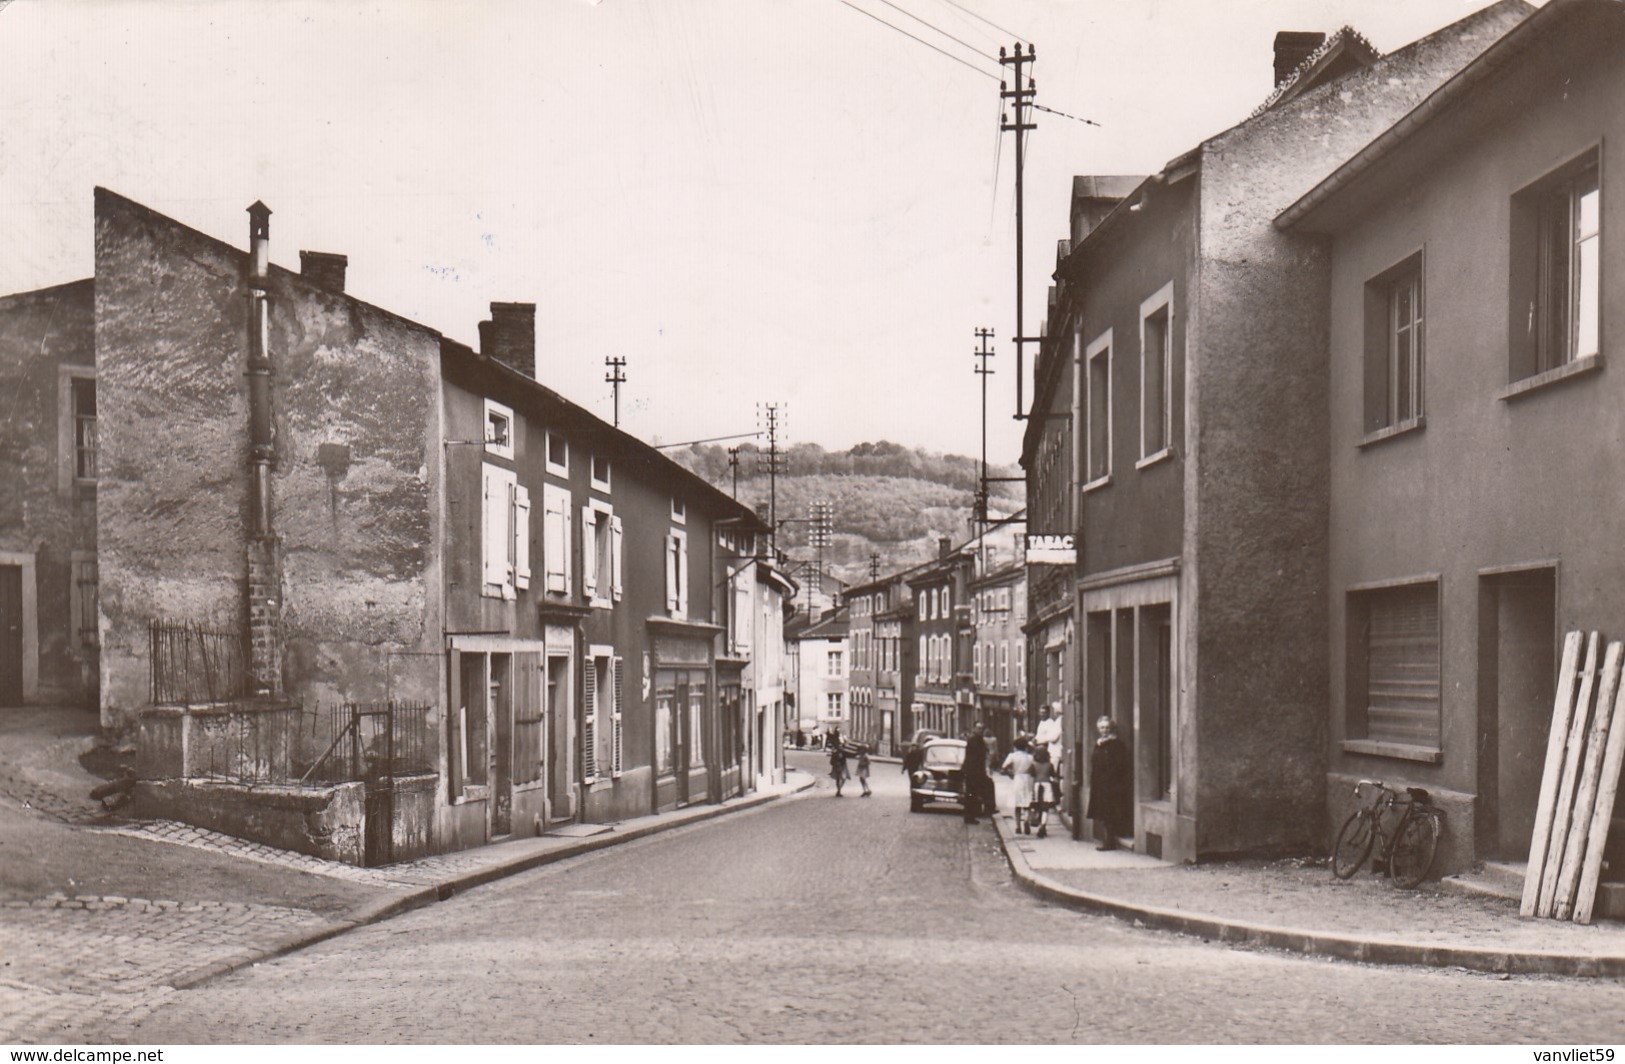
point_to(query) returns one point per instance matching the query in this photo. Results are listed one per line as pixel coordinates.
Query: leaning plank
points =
(1562, 709)
(1565, 788)
(1585, 797)
(1602, 812)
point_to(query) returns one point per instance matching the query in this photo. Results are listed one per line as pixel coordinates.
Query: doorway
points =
(560, 783)
(1517, 674)
(11, 635)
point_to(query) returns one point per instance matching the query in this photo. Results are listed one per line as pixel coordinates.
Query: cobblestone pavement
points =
(828, 920)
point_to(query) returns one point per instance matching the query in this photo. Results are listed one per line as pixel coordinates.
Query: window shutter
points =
(521, 536)
(615, 557)
(682, 576)
(1403, 667)
(616, 708)
(589, 724)
(589, 552)
(556, 539)
(671, 574)
(494, 523)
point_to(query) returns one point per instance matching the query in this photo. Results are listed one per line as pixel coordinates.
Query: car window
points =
(945, 756)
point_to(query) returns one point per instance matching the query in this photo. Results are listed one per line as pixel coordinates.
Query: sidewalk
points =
(101, 919)
(1297, 905)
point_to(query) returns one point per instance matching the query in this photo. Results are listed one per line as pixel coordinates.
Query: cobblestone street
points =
(850, 920)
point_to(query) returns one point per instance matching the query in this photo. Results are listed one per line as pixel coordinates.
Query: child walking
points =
(863, 770)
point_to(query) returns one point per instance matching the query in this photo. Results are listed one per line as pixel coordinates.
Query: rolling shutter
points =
(1402, 665)
(615, 709)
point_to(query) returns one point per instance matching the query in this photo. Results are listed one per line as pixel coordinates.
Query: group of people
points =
(1034, 764)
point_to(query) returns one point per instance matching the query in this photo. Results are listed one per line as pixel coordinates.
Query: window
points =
(677, 573)
(1156, 374)
(498, 429)
(832, 704)
(925, 659)
(679, 511)
(600, 472)
(601, 705)
(600, 553)
(832, 664)
(947, 602)
(1004, 664)
(1394, 347)
(558, 454)
(1394, 665)
(469, 758)
(84, 428)
(505, 533)
(1556, 248)
(1098, 456)
(976, 663)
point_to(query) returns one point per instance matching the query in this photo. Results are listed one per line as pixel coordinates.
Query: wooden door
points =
(11, 635)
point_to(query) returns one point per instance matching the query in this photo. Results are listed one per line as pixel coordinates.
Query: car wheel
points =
(915, 805)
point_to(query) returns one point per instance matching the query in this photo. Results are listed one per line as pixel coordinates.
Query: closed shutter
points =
(1402, 666)
(589, 552)
(556, 538)
(494, 528)
(682, 574)
(521, 536)
(589, 721)
(616, 707)
(671, 574)
(615, 557)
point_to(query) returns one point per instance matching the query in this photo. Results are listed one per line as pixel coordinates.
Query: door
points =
(679, 724)
(11, 635)
(1517, 680)
(501, 774)
(560, 784)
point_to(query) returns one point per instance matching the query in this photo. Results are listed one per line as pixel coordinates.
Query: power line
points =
(963, 62)
(990, 22)
(1063, 114)
(939, 29)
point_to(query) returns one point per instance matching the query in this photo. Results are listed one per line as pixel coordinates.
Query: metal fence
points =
(371, 741)
(191, 664)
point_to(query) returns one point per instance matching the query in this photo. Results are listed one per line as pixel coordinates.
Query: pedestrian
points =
(1042, 772)
(1049, 734)
(863, 769)
(1017, 765)
(837, 767)
(974, 780)
(1109, 804)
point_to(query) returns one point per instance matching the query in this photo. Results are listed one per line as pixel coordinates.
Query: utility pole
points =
(733, 465)
(983, 371)
(772, 461)
(615, 378)
(874, 566)
(1022, 100)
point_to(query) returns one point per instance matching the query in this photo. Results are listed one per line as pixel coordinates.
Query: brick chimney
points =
(324, 269)
(945, 546)
(1293, 47)
(510, 336)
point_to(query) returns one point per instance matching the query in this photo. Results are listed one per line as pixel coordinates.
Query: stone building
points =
(998, 612)
(1181, 394)
(1476, 428)
(825, 665)
(368, 592)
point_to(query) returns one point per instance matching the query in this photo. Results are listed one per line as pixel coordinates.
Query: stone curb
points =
(393, 905)
(1306, 942)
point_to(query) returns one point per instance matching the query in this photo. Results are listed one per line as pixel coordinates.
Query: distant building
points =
(880, 622)
(998, 611)
(824, 654)
(944, 694)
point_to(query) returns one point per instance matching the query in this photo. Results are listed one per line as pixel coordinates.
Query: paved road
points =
(820, 919)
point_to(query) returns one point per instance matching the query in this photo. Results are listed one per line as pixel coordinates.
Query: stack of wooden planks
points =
(1577, 789)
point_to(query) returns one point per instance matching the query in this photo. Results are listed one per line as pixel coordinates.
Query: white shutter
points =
(589, 551)
(615, 710)
(671, 574)
(615, 560)
(682, 575)
(521, 536)
(589, 722)
(493, 551)
(556, 538)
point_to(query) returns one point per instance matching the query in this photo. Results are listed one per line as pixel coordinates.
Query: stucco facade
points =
(1481, 501)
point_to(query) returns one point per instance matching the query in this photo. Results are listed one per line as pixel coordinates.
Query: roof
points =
(832, 627)
(1317, 208)
(1341, 53)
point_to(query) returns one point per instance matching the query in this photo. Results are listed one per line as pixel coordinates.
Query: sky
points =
(751, 201)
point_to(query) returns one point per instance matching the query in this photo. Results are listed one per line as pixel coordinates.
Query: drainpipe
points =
(264, 557)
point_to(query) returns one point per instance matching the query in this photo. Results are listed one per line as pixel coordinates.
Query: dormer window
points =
(498, 430)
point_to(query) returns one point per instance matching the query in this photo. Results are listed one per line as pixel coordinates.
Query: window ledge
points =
(1098, 482)
(472, 792)
(1152, 459)
(1415, 424)
(1579, 367)
(1398, 751)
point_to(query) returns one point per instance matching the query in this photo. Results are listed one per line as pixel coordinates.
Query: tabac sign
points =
(1046, 549)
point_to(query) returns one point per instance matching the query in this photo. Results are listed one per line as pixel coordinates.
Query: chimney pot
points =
(945, 546)
(510, 336)
(324, 269)
(1292, 47)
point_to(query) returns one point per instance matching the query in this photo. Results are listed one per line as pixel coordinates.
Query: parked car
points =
(938, 778)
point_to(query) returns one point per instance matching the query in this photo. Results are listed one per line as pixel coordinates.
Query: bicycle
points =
(1408, 853)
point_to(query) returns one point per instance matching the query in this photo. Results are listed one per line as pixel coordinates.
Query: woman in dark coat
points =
(1109, 805)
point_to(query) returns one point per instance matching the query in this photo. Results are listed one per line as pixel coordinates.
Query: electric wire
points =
(939, 29)
(1063, 114)
(963, 62)
(990, 22)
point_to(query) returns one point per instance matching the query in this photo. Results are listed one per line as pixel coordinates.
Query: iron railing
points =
(191, 664)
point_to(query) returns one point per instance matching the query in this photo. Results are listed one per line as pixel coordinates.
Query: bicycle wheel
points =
(1354, 844)
(1410, 855)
